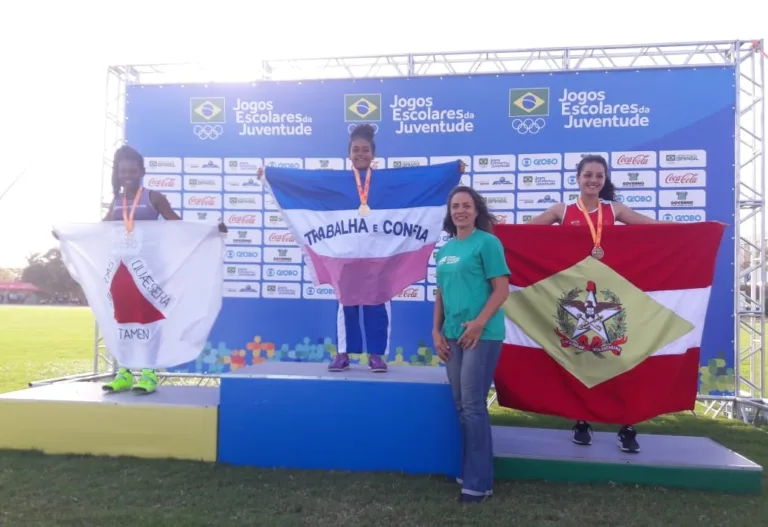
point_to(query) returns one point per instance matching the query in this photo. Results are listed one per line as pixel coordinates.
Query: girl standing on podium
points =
(595, 208)
(133, 202)
(377, 319)
(468, 328)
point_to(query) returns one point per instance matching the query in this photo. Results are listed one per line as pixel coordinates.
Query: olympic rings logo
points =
(352, 126)
(528, 125)
(206, 131)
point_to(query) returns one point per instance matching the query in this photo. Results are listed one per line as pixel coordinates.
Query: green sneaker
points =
(122, 382)
(147, 383)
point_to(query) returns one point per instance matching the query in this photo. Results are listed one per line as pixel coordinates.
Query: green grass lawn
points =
(36, 343)
(42, 342)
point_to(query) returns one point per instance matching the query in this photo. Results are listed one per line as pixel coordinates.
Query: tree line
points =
(47, 272)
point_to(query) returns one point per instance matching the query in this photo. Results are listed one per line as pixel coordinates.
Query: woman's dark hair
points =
(363, 131)
(124, 153)
(608, 192)
(485, 221)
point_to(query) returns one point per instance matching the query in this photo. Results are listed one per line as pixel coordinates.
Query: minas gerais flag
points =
(155, 292)
(611, 340)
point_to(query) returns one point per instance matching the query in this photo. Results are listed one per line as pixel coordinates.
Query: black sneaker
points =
(468, 498)
(627, 440)
(582, 433)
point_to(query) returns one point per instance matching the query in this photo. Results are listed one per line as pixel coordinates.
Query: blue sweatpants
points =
(376, 324)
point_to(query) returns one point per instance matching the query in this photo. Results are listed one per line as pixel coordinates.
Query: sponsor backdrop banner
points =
(667, 135)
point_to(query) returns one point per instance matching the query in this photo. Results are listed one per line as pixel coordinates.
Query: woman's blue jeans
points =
(470, 373)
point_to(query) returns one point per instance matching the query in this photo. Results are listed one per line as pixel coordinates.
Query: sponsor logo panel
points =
(281, 290)
(539, 181)
(500, 200)
(683, 178)
(241, 290)
(537, 200)
(633, 160)
(683, 158)
(241, 236)
(494, 163)
(546, 162)
(282, 273)
(682, 198)
(637, 198)
(683, 216)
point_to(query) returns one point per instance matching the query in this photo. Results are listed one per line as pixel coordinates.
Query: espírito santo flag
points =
(614, 340)
(368, 259)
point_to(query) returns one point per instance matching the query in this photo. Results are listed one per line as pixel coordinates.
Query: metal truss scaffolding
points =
(749, 131)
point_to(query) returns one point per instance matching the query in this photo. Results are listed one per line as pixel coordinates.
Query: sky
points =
(55, 56)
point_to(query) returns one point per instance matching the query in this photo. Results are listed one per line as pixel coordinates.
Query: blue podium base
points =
(298, 415)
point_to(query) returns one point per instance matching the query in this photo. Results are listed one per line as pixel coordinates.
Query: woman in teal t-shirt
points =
(468, 329)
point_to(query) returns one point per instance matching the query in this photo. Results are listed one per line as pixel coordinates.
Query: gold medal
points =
(362, 192)
(128, 218)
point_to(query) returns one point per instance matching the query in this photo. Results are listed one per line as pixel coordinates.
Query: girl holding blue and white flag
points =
(376, 318)
(375, 284)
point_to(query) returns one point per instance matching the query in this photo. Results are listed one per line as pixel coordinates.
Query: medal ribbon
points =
(363, 192)
(128, 219)
(597, 234)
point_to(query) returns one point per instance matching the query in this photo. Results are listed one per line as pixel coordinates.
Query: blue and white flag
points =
(368, 259)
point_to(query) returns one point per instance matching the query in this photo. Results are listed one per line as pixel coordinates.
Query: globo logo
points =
(311, 291)
(282, 272)
(688, 217)
(242, 254)
(547, 161)
(639, 199)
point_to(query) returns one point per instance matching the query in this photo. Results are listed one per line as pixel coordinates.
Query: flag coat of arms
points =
(156, 295)
(614, 340)
(367, 259)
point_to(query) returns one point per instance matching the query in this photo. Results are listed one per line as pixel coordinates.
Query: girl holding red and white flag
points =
(595, 208)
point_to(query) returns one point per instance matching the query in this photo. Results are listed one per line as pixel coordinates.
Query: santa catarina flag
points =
(614, 340)
(369, 258)
(156, 296)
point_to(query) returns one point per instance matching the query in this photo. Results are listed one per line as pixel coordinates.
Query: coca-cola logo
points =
(637, 160)
(281, 238)
(689, 178)
(205, 201)
(167, 182)
(410, 292)
(242, 219)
